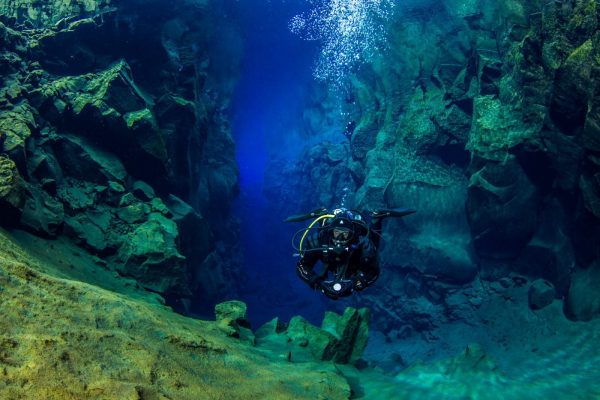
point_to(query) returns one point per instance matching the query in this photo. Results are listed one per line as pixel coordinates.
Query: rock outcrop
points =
(12, 190)
(125, 152)
(541, 294)
(341, 338)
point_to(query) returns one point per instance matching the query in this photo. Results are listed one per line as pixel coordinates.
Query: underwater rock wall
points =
(564, 42)
(526, 197)
(114, 134)
(482, 115)
(39, 14)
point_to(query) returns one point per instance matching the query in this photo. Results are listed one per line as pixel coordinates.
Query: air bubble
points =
(351, 32)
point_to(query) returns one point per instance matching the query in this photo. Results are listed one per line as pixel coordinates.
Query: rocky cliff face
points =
(482, 116)
(113, 133)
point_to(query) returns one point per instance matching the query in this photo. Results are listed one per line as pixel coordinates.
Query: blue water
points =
(273, 87)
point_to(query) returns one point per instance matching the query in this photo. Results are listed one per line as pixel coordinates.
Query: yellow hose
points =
(310, 227)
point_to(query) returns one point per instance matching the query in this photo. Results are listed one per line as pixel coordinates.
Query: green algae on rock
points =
(231, 318)
(64, 339)
(150, 255)
(84, 114)
(341, 338)
(51, 12)
(12, 190)
(16, 125)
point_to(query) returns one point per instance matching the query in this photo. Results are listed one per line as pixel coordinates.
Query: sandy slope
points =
(64, 339)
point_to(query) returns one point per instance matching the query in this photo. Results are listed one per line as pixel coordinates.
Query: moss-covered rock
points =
(86, 233)
(317, 342)
(150, 255)
(109, 94)
(42, 213)
(79, 158)
(351, 330)
(46, 13)
(583, 300)
(143, 191)
(590, 189)
(231, 318)
(144, 129)
(502, 209)
(157, 205)
(90, 103)
(341, 338)
(496, 128)
(134, 213)
(12, 190)
(583, 22)
(572, 90)
(16, 126)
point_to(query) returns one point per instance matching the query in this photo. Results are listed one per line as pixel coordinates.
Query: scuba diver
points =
(345, 244)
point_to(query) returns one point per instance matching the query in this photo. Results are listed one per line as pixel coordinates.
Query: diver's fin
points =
(303, 217)
(393, 212)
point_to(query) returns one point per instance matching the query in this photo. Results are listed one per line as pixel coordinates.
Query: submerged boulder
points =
(341, 338)
(86, 233)
(43, 165)
(143, 191)
(303, 334)
(583, 299)
(447, 258)
(195, 237)
(42, 213)
(501, 209)
(151, 256)
(590, 189)
(231, 318)
(12, 190)
(435, 240)
(541, 294)
(80, 159)
(351, 331)
(16, 126)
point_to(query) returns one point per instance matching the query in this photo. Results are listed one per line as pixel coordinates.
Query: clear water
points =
(276, 74)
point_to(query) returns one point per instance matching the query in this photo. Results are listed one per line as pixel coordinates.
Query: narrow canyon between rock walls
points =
(291, 199)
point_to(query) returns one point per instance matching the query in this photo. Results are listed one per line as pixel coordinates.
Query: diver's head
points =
(341, 236)
(341, 230)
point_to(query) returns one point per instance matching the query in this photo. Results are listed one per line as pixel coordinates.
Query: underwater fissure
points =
(149, 154)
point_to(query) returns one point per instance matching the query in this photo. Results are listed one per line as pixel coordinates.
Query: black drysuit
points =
(345, 268)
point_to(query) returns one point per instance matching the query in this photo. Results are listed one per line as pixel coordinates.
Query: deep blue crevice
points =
(275, 77)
